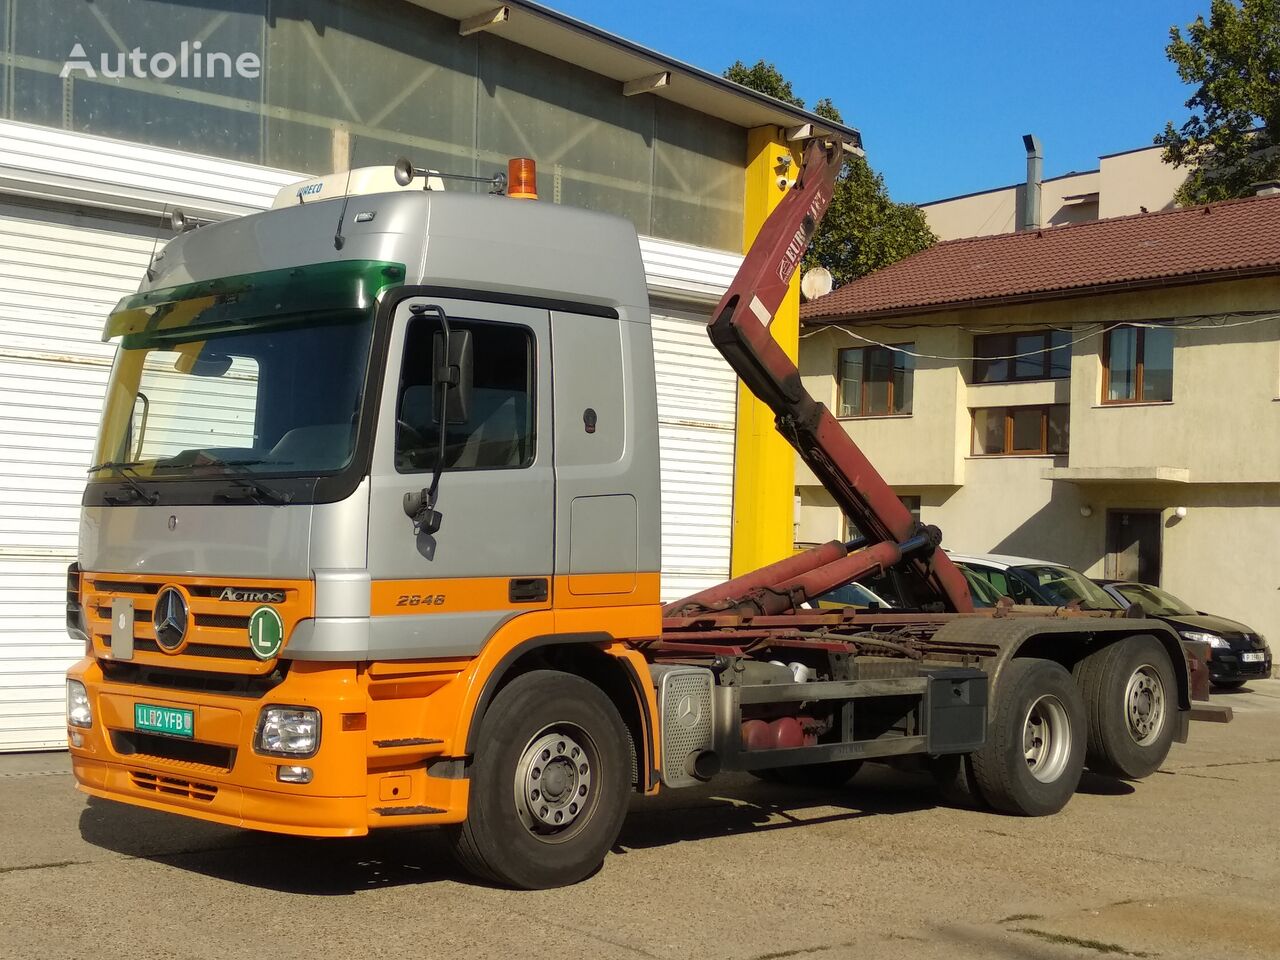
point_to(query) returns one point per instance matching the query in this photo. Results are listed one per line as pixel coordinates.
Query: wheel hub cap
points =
(1144, 705)
(1046, 739)
(553, 782)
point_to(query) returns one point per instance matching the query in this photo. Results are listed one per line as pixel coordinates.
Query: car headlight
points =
(1212, 639)
(288, 732)
(79, 710)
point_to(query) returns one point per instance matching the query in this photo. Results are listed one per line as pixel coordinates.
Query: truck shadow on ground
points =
(340, 867)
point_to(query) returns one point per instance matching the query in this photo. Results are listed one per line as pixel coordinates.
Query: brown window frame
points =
(1003, 345)
(1008, 450)
(894, 351)
(1139, 364)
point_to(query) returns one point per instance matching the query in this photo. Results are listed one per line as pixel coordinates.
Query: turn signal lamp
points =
(522, 179)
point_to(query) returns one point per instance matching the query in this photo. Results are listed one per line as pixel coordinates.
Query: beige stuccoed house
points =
(1105, 395)
(1132, 181)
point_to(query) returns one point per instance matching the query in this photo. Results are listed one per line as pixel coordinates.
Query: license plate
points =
(1256, 657)
(173, 721)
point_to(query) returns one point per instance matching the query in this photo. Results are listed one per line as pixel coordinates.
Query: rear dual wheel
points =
(1032, 760)
(1131, 698)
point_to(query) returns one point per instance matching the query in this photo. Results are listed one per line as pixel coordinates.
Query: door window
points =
(499, 431)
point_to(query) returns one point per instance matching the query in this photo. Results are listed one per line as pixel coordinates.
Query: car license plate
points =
(1255, 657)
(173, 721)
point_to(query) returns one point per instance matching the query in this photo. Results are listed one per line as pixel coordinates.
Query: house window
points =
(1137, 365)
(1020, 431)
(1037, 355)
(911, 501)
(875, 381)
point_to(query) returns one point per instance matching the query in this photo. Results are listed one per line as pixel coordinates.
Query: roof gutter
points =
(801, 116)
(505, 20)
(1069, 293)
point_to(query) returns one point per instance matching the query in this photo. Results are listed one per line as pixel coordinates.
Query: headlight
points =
(288, 732)
(79, 711)
(1212, 639)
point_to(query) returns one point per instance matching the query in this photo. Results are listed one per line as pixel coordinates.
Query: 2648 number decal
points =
(420, 600)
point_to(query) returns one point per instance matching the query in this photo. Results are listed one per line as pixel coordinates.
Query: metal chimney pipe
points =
(1035, 174)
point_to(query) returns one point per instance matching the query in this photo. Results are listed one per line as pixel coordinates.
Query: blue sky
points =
(943, 91)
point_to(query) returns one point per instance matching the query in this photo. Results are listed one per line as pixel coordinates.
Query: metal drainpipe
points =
(1035, 174)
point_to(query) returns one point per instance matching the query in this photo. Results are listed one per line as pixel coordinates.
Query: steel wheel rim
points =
(1046, 738)
(1144, 705)
(555, 782)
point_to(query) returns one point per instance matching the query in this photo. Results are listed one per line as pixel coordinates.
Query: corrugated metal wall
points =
(60, 274)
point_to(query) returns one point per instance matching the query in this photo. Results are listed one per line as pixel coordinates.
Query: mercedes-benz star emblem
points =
(170, 619)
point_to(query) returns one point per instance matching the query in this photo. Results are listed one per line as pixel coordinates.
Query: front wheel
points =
(549, 785)
(1034, 754)
(1131, 698)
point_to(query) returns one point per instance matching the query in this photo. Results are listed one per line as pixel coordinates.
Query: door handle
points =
(527, 590)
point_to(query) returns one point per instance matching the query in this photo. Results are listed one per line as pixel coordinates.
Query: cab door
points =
(444, 594)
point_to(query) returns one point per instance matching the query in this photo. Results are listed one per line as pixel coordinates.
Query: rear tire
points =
(1034, 754)
(953, 773)
(549, 785)
(1131, 697)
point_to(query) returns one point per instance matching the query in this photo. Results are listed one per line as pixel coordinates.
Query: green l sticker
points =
(266, 633)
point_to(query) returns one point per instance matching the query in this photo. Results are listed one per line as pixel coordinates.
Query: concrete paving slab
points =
(1182, 865)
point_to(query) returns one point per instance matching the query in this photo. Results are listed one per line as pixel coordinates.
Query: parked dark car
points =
(1238, 653)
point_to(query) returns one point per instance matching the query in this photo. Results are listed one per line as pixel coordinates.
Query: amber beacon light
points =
(522, 179)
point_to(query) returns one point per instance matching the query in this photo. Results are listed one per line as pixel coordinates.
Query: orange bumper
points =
(219, 776)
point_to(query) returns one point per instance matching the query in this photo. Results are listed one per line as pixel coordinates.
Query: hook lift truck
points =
(372, 540)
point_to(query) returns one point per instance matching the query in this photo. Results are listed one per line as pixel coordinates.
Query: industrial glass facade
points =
(341, 81)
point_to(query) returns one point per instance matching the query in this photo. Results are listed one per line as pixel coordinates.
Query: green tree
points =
(864, 229)
(1231, 139)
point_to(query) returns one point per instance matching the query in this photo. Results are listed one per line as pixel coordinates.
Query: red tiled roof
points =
(1148, 249)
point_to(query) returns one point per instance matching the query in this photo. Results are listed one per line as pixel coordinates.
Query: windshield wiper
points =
(137, 490)
(256, 491)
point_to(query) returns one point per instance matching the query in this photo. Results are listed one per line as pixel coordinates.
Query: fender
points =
(479, 682)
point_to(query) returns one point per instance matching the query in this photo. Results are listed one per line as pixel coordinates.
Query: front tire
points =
(1034, 754)
(1130, 697)
(549, 785)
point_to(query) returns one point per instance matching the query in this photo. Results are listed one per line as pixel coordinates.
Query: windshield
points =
(1154, 601)
(982, 593)
(208, 384)
(1062, 585)
(850, 595)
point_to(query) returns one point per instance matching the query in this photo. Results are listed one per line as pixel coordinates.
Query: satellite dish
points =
(816, 283)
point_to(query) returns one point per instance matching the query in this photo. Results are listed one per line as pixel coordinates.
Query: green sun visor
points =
(251, 299)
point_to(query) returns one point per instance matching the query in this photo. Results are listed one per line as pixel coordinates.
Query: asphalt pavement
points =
(1183, 865)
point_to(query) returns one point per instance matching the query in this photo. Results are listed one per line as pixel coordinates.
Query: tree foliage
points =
(1231, 139)
(864, 229)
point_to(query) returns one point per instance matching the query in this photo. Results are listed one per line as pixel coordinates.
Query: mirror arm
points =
(420, 507)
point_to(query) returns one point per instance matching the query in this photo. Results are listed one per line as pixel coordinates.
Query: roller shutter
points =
(60, 274)
(697, 400)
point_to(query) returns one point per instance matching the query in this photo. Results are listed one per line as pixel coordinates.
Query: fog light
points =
(288, 731)
(293, 774)
(79, 711)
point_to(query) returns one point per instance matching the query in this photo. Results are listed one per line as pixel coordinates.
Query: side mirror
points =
(454, 366)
